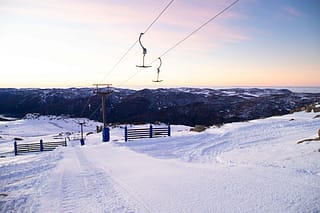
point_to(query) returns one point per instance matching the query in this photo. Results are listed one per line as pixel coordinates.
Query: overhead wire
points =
(186, 37)
(134, 44)
(196, 30)
(94, 112)
(86, 105)
(156, 19)
(120, 60)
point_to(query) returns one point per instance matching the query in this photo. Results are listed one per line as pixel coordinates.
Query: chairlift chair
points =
(158, 72)
(144, 52)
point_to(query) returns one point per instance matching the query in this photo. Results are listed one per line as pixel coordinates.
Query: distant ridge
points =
(188, 106)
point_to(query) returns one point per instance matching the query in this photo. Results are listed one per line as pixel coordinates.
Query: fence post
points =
(65, 141)
(169, 130)
(125, 133)
(15, 148)
(150, 131)
(41, 145)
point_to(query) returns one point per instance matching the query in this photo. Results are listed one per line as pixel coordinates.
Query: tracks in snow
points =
(77, 185)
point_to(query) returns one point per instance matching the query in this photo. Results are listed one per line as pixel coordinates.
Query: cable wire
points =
(94, 112)
(156, 19)
(134, 44)
(185, 38)
(196, 30)
(85, 106)
(131, 77)
(119, 61)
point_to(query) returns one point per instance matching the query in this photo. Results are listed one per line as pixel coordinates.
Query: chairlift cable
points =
(85, 106)
(131, 77)
(196, 30)
(185, 38)
(134, 44)
(156, 19)
(119, 61)
(94, 112)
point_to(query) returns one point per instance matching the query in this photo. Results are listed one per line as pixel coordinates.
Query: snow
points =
(254, 166)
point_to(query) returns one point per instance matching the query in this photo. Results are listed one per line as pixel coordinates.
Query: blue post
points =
(126, 133)
(41, 145)
(106, 134)
(81, 141)
(169, 130)
(15, 148)
(150, 132)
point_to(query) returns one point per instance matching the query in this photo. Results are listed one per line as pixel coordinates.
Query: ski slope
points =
(254, 166)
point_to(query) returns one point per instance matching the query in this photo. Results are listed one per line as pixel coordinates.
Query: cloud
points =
(186, 16)
(293, 12)
(129, 14)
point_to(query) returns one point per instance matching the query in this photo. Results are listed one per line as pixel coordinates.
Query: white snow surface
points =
(254, 166)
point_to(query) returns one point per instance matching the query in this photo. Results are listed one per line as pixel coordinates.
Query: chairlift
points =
(144, 53)
(158, 71)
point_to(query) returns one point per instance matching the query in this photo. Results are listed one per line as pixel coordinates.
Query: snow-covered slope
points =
(254, 166)
(35, 127)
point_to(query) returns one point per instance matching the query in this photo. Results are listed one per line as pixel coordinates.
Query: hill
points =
(185, 106)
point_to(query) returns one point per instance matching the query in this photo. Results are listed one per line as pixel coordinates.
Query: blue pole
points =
(169, 130)
(126, 133)
(81, 141)
(15, 148)
(41, 145)
(106, 134)
(150, 132)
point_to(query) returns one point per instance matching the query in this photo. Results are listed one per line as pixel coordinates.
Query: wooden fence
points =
(37, 147)
(151, 132)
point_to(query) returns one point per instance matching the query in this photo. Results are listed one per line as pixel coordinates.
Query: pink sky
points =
(76, 43)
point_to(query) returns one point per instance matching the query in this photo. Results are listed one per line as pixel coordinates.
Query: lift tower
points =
(103, 93)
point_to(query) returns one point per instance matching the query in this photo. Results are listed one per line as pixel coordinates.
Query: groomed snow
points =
(254, 166)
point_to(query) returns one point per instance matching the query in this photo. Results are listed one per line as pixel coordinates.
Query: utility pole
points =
(103, 94)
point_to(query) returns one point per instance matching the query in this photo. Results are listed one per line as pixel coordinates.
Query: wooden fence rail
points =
(37, 147)
(151, 132)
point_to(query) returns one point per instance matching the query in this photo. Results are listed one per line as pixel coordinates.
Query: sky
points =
(77, 43)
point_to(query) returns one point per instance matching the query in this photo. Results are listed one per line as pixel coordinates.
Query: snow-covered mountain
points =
(187, 106)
